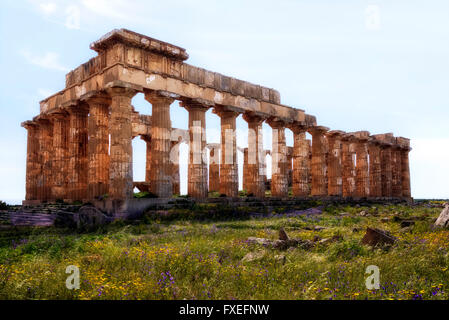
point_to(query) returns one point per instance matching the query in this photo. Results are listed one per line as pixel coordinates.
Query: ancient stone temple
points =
(80, 144)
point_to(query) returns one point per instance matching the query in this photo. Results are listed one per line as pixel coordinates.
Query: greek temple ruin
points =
(79, 147)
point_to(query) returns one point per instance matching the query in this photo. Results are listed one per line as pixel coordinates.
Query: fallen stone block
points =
(374, 236)
(443, 219)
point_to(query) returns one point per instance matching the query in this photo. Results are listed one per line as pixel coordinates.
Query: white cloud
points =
(49, 61)
(47, 8)
(72, 20)
(109, 8)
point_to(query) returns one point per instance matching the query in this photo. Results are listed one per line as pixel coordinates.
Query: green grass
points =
(197, 254)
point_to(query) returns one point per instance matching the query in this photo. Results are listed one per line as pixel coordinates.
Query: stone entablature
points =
(79, 146)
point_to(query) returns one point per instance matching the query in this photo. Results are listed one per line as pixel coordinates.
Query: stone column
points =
(61, 126)
(197, 170)
(77, 151)
(245, 169)
(386, 166)
(279, 182)
(229, 179)
(255, 169)
(406, 190)
(318, 165)
(289, 166)
(362, 173)
(98, 146)
(174, 160)
(45, 151)
(32, 165)
(396, 171)
(214, 169)
(160, 177)
(121, 156)
(301, 162)
(147, 140)
(375, 170)
(348, 163)
(335, 171)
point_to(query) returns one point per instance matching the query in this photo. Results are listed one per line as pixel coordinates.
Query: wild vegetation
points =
(203, 253)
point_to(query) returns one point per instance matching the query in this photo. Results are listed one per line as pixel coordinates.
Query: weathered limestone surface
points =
(79, 146)
(279, 182)
(229, 183)
(197, 171)
(161, 166)
(348, 165)
(255, 170)
(301, 162)
(120, 162)
(318, 165)
(98, 146)
(335, 174)
(362, 173)
(214, 167)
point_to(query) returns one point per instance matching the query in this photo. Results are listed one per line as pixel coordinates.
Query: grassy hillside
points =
(167, 256)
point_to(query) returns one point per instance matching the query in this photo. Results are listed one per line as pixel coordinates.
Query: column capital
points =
(254, 117)
(226, 111)
(99, 98)
(196, 104)
(76, 107)
(121, 91)
(348, 137)
(29, 124)
(317, 130)
(335, 134)
(276, 123)
(160, 97)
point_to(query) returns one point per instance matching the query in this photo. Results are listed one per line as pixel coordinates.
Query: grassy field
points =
(169, 255)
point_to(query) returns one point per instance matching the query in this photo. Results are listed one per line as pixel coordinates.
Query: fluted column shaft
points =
(98, 147)
(229, 180)
(279, 181)
(161, 168)
(255, 171)
(375, 170)
(78, 161)
(396, 160)
(348, 170)
(45, 159)
(32, 165)
(335, 178)
(61, 125)
(245, 169)
(214, 170)
(301, 163)
(197, 170)
(147, 140)
(318, 165)
(289, 166)
(174, 160)
(386, 166)
(406, 190)
(121, 156)
(362, 173)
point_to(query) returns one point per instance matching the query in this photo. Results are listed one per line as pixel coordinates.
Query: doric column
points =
(405, 168)
(61, 125)
(318, 165)
(245, 169)
(147, 140)
(386, 166)
(362, 173)
(375, 169)
(121, 155)
(160, 177)
(214, 168)
(229, 179)
(32, 165)
(174, 160)
(335, 171)
(279, 182)
(289, 166)
(98, 146)
(77, 150)
(197, 170)
(301, 162)
(348, 163)
(45, 159)
(255, 172)
(396, 171)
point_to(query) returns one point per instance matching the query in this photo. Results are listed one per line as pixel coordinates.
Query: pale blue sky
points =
(381, 66)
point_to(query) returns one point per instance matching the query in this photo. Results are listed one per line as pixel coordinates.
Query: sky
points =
(380, 66)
